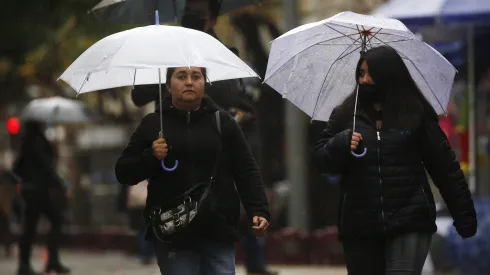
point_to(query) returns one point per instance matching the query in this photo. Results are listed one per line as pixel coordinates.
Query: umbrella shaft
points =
(161, 98)
(355, 109)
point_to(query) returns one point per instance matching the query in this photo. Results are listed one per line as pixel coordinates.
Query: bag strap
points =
(218, 121)
(218, 127)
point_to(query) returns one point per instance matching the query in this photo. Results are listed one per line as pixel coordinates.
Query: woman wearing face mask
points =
(387, 212)
(208, 144)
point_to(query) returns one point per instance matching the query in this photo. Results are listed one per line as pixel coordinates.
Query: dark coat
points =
(196, 143)
(36, 163)
(387, 192)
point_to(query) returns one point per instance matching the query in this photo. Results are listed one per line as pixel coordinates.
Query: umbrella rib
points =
(371, 38)
(328, 72)
(343, 34)
(393, 34)
(341, 44)
(347, 27)
(305, 49)
(423, 77)
(341, 57)
(368, 42)
(337, 37)
(394, 41)
(84, 81)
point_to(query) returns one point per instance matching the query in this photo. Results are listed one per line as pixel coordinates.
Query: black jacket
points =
(387, 192)
(226, 94)
(195, 142)
(36, 163)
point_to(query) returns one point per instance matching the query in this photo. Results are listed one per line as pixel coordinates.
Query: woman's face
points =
(187, 84)
(364, 76)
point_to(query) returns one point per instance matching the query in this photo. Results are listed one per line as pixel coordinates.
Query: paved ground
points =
(100, 263)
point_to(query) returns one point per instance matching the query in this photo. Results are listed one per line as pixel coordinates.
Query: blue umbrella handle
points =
(157, 18)
(359, 155)
(170, 169)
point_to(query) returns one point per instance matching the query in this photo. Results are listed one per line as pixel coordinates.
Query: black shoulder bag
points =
(189, 210)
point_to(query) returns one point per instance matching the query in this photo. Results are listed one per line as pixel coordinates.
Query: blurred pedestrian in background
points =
(43, 193)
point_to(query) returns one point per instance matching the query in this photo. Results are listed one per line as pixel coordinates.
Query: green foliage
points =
(41, 39)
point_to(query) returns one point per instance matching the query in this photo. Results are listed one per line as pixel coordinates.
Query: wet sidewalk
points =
(113, 263)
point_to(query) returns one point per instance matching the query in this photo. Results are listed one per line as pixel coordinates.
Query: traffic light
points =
(13, 125)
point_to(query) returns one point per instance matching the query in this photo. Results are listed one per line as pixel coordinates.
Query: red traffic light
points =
(13, 125)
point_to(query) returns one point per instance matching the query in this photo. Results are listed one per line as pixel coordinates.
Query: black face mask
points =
(370, 93)
(193, 21)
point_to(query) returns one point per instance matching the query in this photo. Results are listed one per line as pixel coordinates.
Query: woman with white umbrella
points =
(192, 209)
(196, 182)
(387, 210)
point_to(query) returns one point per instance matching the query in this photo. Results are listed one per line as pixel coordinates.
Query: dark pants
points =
(402, 255)
(204, 258)
(254, 252)
(36, 204)
(145, 248)
(137, 223)
(6, 236)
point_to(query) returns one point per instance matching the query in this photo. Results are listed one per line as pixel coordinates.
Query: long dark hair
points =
(404, 105)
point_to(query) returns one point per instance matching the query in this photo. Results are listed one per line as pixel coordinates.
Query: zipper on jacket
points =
(378, 138)
(343, 211)
(427, 201)
(188, 118)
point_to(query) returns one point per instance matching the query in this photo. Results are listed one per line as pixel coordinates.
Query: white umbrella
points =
(313, 65)
(137, 55)
(56, 110)
(142, 56)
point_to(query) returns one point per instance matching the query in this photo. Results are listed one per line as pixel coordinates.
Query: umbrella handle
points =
(170, 169)
(157, 18)
(359, 155)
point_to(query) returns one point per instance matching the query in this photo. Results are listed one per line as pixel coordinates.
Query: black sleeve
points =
(137, 161)
(246, 172)
(441, 164)
(333, 148)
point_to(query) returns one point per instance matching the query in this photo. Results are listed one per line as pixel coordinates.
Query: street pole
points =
(296, 143)
(471, 110)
